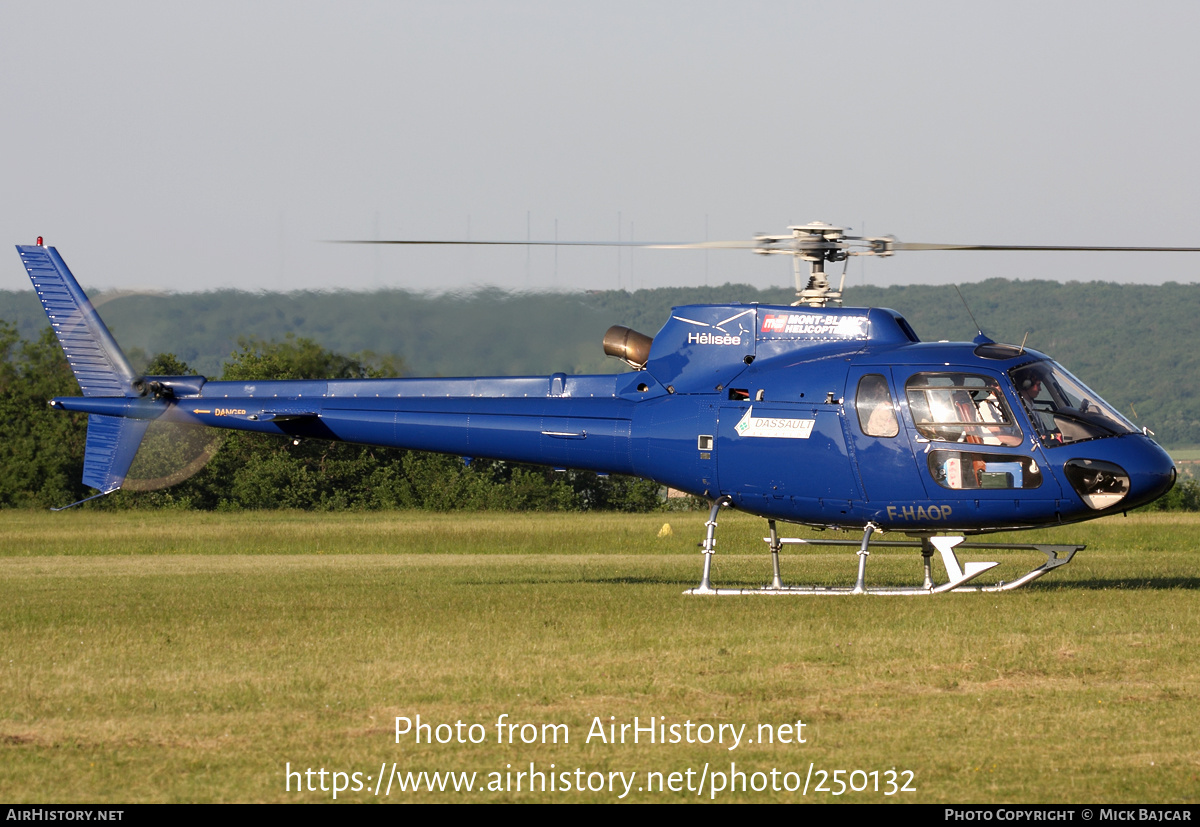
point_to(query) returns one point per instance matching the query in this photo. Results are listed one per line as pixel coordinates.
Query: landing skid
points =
(959, 574)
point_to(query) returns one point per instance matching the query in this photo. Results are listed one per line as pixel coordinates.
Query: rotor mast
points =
(817, 243)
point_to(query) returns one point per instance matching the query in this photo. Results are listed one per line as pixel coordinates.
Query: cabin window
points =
(876, 415)
(961, 407)
(971, 469)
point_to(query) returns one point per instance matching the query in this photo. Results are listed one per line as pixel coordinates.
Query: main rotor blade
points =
(656, 245)
(779, 244)
(904, 245)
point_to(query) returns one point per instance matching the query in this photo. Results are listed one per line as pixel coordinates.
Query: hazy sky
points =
(188, 146)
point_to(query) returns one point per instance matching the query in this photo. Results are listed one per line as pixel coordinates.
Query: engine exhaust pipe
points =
(629, 346)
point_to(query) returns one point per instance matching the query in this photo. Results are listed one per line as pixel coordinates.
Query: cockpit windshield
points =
(1063, 409)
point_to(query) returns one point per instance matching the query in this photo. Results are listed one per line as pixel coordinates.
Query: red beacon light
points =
(39, 241)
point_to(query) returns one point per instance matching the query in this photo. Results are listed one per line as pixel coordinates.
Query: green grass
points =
(189, 657)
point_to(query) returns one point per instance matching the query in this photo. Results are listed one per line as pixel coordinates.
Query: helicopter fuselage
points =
(828, 417)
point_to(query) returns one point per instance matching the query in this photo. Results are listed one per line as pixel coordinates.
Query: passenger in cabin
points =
(1002, 432)
(876, 416)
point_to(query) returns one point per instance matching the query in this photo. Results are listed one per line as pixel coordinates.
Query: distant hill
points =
(1133, 344)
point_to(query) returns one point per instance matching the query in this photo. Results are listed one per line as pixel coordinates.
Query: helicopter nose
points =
(1161, 478)
(1134, 472)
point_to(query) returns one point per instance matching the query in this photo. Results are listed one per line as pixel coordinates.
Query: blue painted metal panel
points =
(805, 475)
(703, 346)
(665, 444)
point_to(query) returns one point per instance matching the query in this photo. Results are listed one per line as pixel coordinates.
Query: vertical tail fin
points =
(98, 364)
(95, 358)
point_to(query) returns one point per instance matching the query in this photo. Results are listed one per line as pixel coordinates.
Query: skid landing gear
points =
(959, 574)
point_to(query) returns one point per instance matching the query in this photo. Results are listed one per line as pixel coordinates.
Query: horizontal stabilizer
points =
(95, 358)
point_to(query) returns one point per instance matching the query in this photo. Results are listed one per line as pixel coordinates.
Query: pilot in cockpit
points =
(1029, 386)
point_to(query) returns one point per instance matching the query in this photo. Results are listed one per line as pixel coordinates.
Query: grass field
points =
(194, 657)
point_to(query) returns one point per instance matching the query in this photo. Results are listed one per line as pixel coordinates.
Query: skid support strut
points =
(709, 546)
(927, 562)
(776, 547)
(860, 586)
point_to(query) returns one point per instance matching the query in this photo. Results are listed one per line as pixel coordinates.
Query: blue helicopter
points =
(810, 414)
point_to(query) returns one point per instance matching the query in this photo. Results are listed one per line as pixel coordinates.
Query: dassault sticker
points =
(774, 426)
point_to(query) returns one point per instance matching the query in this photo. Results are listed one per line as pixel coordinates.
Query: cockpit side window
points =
(961, 407)
(876, 416)
(1062, 409)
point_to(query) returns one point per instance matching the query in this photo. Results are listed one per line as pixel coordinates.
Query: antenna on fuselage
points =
(969, 313)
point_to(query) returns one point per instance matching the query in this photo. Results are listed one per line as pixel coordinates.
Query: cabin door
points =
(881, 449)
